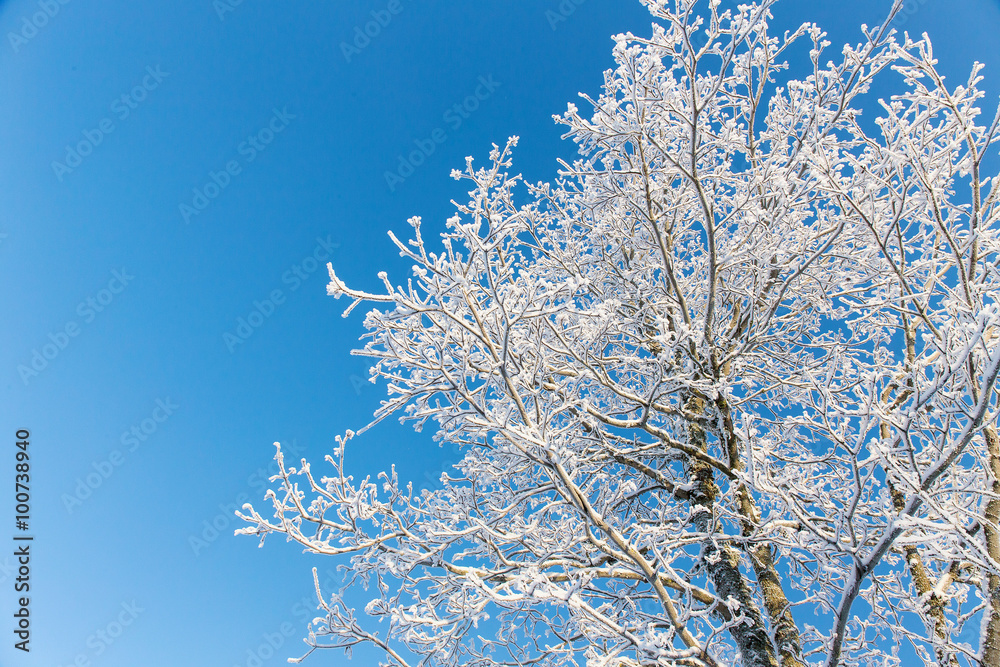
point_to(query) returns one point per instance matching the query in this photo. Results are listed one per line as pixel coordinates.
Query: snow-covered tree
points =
(727, 390)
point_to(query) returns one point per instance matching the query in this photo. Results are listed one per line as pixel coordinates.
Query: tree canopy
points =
(726, 390)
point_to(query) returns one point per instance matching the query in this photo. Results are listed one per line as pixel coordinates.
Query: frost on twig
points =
(726, 390)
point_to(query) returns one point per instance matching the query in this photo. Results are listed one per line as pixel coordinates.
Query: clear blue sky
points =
(298, 136)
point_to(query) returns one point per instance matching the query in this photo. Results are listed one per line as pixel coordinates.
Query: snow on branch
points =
(726, 389)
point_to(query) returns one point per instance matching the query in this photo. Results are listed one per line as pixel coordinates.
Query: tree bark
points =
(723, 562)
(990, 640)
(784, 631)
(935, 608)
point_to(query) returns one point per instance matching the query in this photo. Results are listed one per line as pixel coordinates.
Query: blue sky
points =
(227, 152)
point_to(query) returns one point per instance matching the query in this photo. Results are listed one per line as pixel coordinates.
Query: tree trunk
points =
(723, 562)
(784, 631)
(990, 641)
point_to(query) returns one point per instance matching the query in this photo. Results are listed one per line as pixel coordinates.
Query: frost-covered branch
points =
(727, 389)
